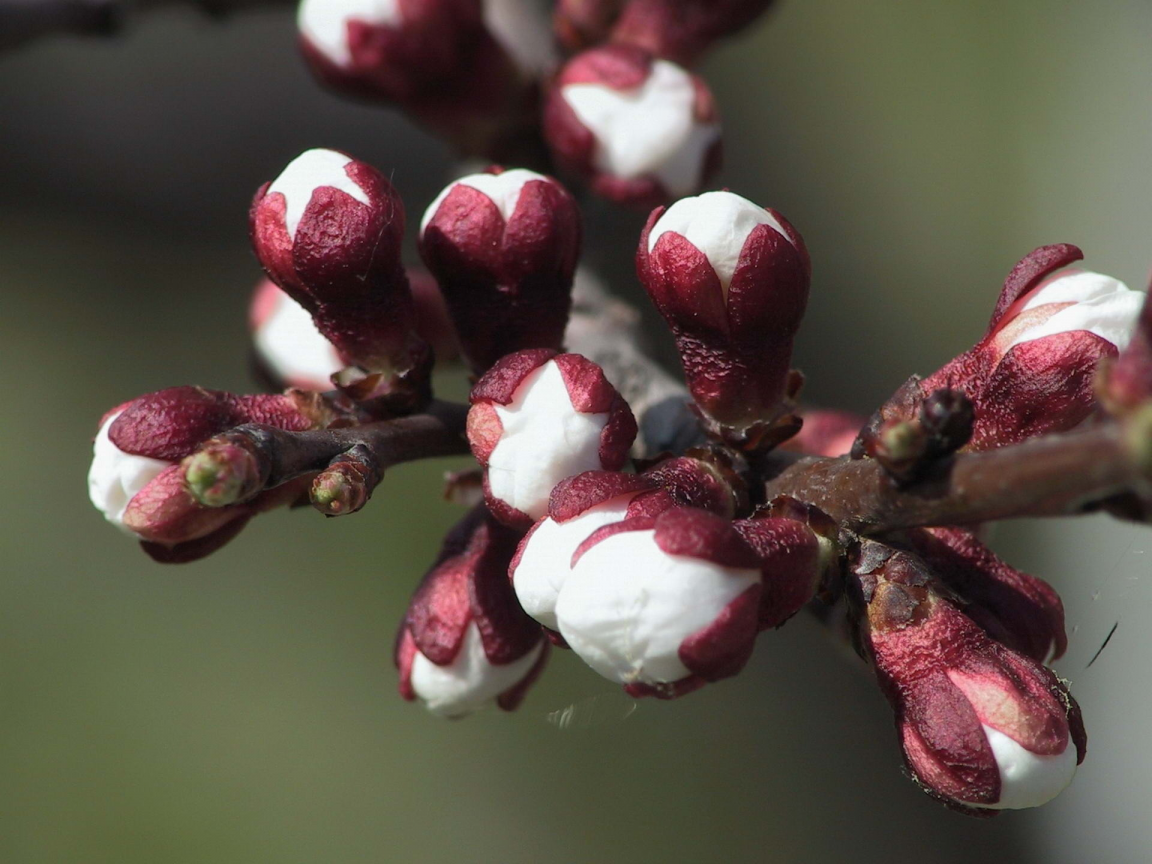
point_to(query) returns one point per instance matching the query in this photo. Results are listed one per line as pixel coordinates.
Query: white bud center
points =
(649, 130)
(116, 477)
(502, 189)
(293, 348)
(308, 172)
(471, 680)
(324, 23)
(718, 224)
(544, 440)
(1028, 779)
(1098, 304)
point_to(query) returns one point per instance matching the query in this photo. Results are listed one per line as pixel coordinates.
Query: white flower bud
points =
(628, 606)
(647, 131)
(718, 224)
(307, 173)
(1100, 305)
(1028, 779)
(115, 476)
(503, 189)
(470, 681)
(546, 557)
(324, 23)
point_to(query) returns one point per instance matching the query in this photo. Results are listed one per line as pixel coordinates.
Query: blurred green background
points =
(242, 709)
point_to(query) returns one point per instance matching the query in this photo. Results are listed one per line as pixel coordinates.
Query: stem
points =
(1057, 475)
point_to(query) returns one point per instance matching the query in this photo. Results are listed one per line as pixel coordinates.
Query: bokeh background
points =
(242, 709)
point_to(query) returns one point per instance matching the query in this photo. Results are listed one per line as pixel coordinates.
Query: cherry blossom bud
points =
(1021, 611)
(328, 231)
(682, 30)
(731, 279)
(825, 433)
(435, 59)
(983, 727)
(1034, 372)
(663, 605)
(136, 479)
(1128, 384)
(797, 549)
(503, 246)
(291, 351)
(465, 642)
(538, 417)
(585, 502)
(640, 130)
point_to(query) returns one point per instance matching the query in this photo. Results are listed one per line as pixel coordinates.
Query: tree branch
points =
(1057, 475)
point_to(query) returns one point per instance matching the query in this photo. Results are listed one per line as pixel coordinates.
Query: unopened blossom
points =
(538, 417)
(983, 727)
(1035, 370)
(640, 130)
(662, 604)
(465, 642)
(435, 59)
(328, 231)
(731, 279)
(138, 482)
(503, 246)
(581, 504)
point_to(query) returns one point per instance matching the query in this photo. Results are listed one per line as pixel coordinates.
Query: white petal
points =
(547, 557)
(1075, 287)
(325, 23)
(1028, 779)
(649, 130)
(544, 441)
(503, 189)
(1110, 316)
(627, 606)
(470, 681)
(307, 173)
(115, 476)
(718, 224)
(293, 348)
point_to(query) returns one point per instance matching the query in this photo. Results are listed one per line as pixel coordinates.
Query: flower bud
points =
(136, 479)
(1019, 610)
(289, 348)
(682, 30)
(465, 641)
(983, 727)
(640, 130)
(538, 417)
(825, 433)
(731, 279)
(328, 231)
(581, 504)
(662, 605)
(797, 549)
(435, 59)
(503, 246)
(1034, 372)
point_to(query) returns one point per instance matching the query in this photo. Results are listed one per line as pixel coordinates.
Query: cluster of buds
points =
(640, 130)
(678, 30)
(731, 279)
(1035, 371)
(983, 727)
(661, 579)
